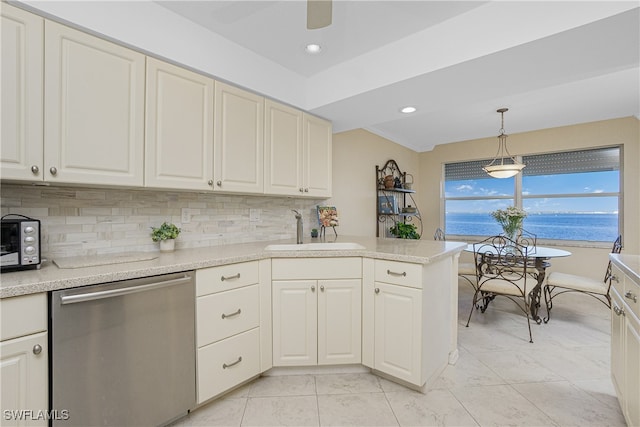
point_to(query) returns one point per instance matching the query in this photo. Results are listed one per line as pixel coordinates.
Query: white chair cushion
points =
(466, 269)
(579, 283)
(504, 287)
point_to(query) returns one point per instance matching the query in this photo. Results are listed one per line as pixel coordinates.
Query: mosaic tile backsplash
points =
(89, 221)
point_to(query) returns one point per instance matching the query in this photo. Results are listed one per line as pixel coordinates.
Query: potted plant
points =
(166, 235)
(403, 230)
(314, 232)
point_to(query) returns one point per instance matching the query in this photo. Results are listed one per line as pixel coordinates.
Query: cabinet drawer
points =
(631, 295)
(23, 315)
(316, 268)
(227, 363)
(398, 273)
(617, 280)
(227, 313)
(225, 277)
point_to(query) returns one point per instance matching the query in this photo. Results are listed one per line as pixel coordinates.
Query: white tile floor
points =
(562, 379)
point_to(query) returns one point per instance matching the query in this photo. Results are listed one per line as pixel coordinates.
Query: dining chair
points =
(466, 270)
(501, 266)
(560, 283)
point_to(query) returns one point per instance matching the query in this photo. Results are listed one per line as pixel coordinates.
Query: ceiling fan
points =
(318, 14)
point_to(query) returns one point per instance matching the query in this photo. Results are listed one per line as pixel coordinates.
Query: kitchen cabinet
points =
(227, 327)
(316, 313)
(297, 152)
(625, 344)
(24, 359)
(404, 336)
(93, 109)
(179, 127)
(238, 140)
(21, 71)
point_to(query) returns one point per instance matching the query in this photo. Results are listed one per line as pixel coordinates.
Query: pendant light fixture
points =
(498, 168)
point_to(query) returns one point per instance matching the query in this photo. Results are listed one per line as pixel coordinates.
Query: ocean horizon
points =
(586, 226)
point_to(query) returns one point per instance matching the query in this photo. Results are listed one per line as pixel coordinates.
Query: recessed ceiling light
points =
(408, 110)
(313, 48)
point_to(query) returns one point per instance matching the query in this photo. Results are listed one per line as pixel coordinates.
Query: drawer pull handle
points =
(619, 311)
(225, 366)
(631, 296)
(223, 278)
(224, 316)
(393, 273)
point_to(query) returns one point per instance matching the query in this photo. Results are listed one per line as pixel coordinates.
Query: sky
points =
(592, 183)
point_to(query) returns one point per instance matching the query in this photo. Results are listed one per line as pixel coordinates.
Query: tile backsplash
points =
(92, 221)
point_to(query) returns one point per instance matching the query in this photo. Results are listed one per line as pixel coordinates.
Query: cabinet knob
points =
(35, 169)
(321, 288)
(377, 290)
(301, 189)
(53, 170)
(37, 349)
(306, 190)
(619, 311)
(615, 278)
(313, 288)
(631, 296)
(210, 182)
(219, 183)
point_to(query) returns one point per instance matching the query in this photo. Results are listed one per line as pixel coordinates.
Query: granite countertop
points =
(50, 277)
(630, 265)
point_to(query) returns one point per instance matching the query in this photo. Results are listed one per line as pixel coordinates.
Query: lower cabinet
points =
(406, 311)
(227, 327)
(24, 397)
(316, 322)
(625, 344)
(317, 305)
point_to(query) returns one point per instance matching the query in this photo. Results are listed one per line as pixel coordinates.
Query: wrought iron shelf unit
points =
(395, 202)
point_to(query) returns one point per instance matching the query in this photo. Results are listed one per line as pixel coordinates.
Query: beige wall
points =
(357, 152)
(355, 156)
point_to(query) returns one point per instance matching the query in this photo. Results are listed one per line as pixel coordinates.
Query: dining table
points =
(541, 256)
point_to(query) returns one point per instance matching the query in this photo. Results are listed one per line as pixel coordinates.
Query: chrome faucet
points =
(298, 227)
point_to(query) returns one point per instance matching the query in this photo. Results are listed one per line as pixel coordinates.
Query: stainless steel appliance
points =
(123, 353)
(19, 243)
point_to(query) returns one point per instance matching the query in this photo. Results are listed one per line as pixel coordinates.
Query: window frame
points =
(518, 198)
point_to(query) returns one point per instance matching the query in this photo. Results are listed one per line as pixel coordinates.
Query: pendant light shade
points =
(499, 168)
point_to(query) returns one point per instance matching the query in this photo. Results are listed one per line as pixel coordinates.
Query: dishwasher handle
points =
(91, 296)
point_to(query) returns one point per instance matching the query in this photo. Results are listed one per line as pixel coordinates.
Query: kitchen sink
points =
(330, 246)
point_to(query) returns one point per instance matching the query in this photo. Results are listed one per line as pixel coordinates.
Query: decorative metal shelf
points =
(396, 198)
(397, 190)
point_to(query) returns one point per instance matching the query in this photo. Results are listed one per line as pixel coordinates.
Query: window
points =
(569, 196)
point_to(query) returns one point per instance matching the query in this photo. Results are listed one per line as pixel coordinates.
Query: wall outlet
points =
(186, 216)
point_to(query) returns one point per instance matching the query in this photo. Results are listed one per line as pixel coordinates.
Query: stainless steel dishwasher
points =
(123, 353)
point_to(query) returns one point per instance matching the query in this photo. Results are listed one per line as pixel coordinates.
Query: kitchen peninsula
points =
(403, 295)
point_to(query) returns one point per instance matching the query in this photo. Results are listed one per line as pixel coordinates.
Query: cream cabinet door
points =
(339, 322)
(25, 380)
(294, 323)
(94, 109)
(283, 150)
(397, 322)
(179, 128)
(21, 71)
(632, 369)
(238, 140)
(317, 160)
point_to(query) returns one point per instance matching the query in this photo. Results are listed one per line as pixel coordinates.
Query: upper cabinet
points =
(316, 160)
(238, 140)
(94, 109)
(21, 70)
(297, 152)
(179, 128)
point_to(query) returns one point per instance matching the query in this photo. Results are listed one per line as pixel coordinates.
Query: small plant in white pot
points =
(166, 235)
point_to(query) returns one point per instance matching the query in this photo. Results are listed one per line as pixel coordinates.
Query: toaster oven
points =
(20, 243)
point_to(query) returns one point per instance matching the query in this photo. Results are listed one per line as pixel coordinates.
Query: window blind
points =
(597, 160)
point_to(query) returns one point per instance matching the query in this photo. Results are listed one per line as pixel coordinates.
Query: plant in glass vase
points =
(510, 219)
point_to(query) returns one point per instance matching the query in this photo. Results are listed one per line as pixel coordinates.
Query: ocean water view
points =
(599, 227)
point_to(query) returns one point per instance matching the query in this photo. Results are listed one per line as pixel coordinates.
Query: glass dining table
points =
(541, 256)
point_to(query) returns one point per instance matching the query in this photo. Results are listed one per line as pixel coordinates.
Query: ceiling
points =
(551, 63)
